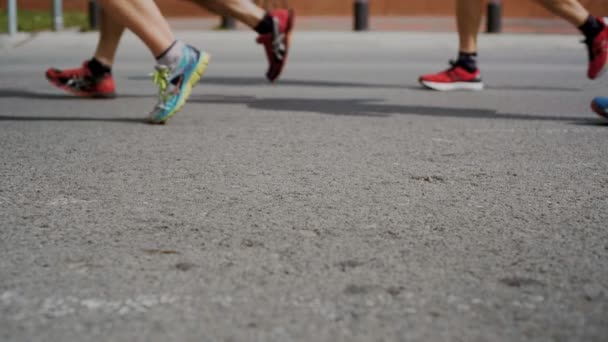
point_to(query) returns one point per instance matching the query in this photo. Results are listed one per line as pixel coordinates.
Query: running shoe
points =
(454, 78)
(81, 82)
(600, 106)
(597, 53)
(175, 85)
(276, 43)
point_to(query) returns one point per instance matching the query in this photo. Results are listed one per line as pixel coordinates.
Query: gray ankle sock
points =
(172, 55)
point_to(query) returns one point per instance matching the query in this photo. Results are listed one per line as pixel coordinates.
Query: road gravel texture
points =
(344, 203)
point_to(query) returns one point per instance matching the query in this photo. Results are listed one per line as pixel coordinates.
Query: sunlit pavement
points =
(342, 203)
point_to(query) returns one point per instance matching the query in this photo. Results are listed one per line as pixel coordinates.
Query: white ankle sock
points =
(172, 55)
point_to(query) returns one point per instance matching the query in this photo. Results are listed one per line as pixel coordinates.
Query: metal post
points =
(361, 15)
(493, 19)
(12, 17)
(93, 14)
(57, 15)
(228, 23)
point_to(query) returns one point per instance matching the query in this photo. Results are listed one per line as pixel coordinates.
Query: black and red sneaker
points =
(276, 43)
(81, 82)
(597, 52)
(454, 78)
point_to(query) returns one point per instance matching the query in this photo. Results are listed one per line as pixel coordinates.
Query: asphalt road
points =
(344, 203)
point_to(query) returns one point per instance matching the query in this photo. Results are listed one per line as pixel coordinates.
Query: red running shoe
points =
(454, 78)
(597, 53)
(81, 82)
(277, 42)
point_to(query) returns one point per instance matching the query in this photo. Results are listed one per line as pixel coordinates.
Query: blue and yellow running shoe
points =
(175, 85)
(600, 106)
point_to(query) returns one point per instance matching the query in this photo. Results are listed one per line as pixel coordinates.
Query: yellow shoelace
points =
(161, 79)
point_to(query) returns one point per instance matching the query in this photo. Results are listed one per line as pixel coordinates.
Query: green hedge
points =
(32, 21)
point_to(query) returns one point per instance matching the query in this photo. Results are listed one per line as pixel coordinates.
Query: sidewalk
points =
(406, 24)
(415, 24)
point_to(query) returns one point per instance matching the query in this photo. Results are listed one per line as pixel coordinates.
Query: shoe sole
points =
(599, 110)
(290, 22)
(471, 86)
(79, 93)
(199, 71)
(601, 72)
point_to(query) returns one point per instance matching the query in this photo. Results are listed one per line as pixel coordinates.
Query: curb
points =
(8, 42)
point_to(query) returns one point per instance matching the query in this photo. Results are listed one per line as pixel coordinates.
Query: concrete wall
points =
(512, 8)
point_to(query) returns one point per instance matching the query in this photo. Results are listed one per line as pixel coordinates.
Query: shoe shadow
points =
(371, 107)
(258, 81)
(72, 119)
(598, 122)
(27, 94)
(532, 88)
(349, 107)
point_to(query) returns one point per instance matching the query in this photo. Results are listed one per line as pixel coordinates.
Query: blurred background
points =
(519, 15)
(184, 8)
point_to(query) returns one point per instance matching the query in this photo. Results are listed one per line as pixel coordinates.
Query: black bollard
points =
(494, 17)
(361, 15)
(93, 14)
(228, 23)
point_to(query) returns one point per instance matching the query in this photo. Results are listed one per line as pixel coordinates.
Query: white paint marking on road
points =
(60, 306)
(66, 200)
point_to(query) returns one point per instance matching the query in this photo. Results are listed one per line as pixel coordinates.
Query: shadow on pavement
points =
(72, 118)
(530, 88)
(369, 107)
(259, 81)
(375, 108)
(593, 123)
(28, 94)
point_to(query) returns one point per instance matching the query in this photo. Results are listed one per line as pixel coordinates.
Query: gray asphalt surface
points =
(343, 204)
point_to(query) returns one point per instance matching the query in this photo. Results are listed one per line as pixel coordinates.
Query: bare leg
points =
(179, 66)
(245, 11)
(570, 10)
(110, 32)
(594, 30)
(468, 18)
(145, 20)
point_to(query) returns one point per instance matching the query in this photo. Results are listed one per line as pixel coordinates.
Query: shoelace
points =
(453, 64)
(81, 82)
(278, 41)
(161, 79)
